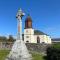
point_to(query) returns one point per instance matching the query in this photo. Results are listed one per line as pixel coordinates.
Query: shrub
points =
(53, 53)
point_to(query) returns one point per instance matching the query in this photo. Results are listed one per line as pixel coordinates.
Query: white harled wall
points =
(29, 36)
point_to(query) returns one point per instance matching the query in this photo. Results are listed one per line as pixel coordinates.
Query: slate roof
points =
(37, 32)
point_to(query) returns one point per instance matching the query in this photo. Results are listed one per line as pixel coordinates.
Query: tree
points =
(11, 39)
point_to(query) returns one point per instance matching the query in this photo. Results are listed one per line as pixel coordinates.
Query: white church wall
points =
(41, 38)
(35, 38)
(27, 38)
(29, 35)
(49, 39)
(45, 39)
(31, 38)
(29, 31)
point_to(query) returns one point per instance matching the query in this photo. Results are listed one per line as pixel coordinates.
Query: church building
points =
(34, 36)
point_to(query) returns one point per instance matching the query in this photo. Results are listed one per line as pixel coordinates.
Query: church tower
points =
(28, 22)
(28, 31)
(34, 36)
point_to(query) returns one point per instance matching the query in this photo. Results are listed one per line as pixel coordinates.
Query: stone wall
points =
(41, 48)
(4, 45)
(36, 47)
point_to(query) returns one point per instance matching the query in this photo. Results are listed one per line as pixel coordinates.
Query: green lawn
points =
(57, 45)
(37, 56)
(4, 53)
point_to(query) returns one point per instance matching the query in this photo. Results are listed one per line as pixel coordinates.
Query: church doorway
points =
(38, 39)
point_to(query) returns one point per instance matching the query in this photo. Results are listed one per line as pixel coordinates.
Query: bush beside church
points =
(53, 53)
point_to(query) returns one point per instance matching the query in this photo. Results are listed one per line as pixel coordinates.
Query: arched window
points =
(27, 41)
(38, 39)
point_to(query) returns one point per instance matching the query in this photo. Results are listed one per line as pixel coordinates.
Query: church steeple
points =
(28, 22)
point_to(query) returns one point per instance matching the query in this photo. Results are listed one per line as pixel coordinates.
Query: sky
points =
(45, 15)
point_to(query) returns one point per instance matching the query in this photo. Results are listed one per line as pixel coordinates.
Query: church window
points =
(27, 41)
(43, 42)
(27, 36)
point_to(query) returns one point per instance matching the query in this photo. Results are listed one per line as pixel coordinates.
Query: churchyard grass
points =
(37, 56)
(4, 53)
(56, 45)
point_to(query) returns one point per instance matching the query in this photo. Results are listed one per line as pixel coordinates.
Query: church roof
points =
(37, 32)
(28, 18)
(28, 22)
